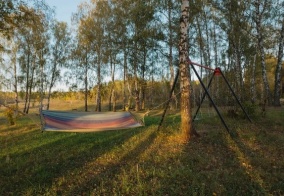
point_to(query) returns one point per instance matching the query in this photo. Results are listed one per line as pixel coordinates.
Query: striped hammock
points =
(88, 121)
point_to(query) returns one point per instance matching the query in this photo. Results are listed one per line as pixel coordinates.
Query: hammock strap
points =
(162, 103)
(139, 117)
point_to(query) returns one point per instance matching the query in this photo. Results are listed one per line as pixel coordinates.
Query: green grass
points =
(143, 162)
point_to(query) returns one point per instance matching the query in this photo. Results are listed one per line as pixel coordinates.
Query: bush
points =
(9, 114)
(250, 108)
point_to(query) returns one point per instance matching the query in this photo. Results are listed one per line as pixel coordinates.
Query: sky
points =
(64, 8)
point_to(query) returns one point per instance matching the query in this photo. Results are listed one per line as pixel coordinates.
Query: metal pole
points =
(234, 94)
(168, 102)
(203, 97)
(199, 65)
(206, 91)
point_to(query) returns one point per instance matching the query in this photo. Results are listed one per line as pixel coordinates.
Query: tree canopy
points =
(137, 42)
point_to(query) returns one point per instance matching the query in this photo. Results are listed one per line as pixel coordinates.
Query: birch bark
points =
(186, 119)
(259, 11)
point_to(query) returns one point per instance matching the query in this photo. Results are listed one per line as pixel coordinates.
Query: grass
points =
(143, 161)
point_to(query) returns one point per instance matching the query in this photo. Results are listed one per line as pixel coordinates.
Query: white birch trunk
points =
(99, 101)
(252, 81)
(260, 39)
(186, 120)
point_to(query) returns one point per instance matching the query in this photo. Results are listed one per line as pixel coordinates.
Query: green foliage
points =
(250, 108)
(9, 113)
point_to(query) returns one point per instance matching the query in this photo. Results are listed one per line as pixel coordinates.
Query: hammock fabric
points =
(87, 121)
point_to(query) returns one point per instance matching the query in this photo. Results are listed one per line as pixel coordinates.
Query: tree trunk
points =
(201, 56)
(112, 101)
(207, 43)
(186, 120)
(51, 84)
(98, 106)
(202, 49)
(31, 83)
(109, 99)
(14, 62)
(48, 98)
(86, 86)
(137, 100)
(278, 71)
(258, 20)
(111, 86)
(124, 78)
(266, 93)
(252, 81)
(238, 69)
(144, 83)
(215, 47)
(27, 82)
(173, 103)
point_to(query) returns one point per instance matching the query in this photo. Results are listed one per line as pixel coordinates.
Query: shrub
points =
(250, 108)
(9, 114)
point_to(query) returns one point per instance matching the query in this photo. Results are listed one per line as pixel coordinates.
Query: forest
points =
(127, 51)
(157, 59)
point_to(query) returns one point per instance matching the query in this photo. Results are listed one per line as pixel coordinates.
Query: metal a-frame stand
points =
(216, 72)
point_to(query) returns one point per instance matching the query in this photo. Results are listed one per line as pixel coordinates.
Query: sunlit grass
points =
(143, 161)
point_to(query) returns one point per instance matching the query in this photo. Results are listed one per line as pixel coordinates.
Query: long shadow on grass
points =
(248, 180)
(107, 173)
(36, 168)
(216, 164)
(223, 166)
(254, 148)
(208, 166)
(258, 164)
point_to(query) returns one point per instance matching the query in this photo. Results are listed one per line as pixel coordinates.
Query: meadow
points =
(142, 161)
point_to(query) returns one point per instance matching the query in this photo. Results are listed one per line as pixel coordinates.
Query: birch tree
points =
(15, 74)
(278, 71)
(171, 38)
(260, 10)
(186, 119)
(120, 32)
(28, 35)
(98, 37)
(59, 54)
(141, 15)
(82, 56)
